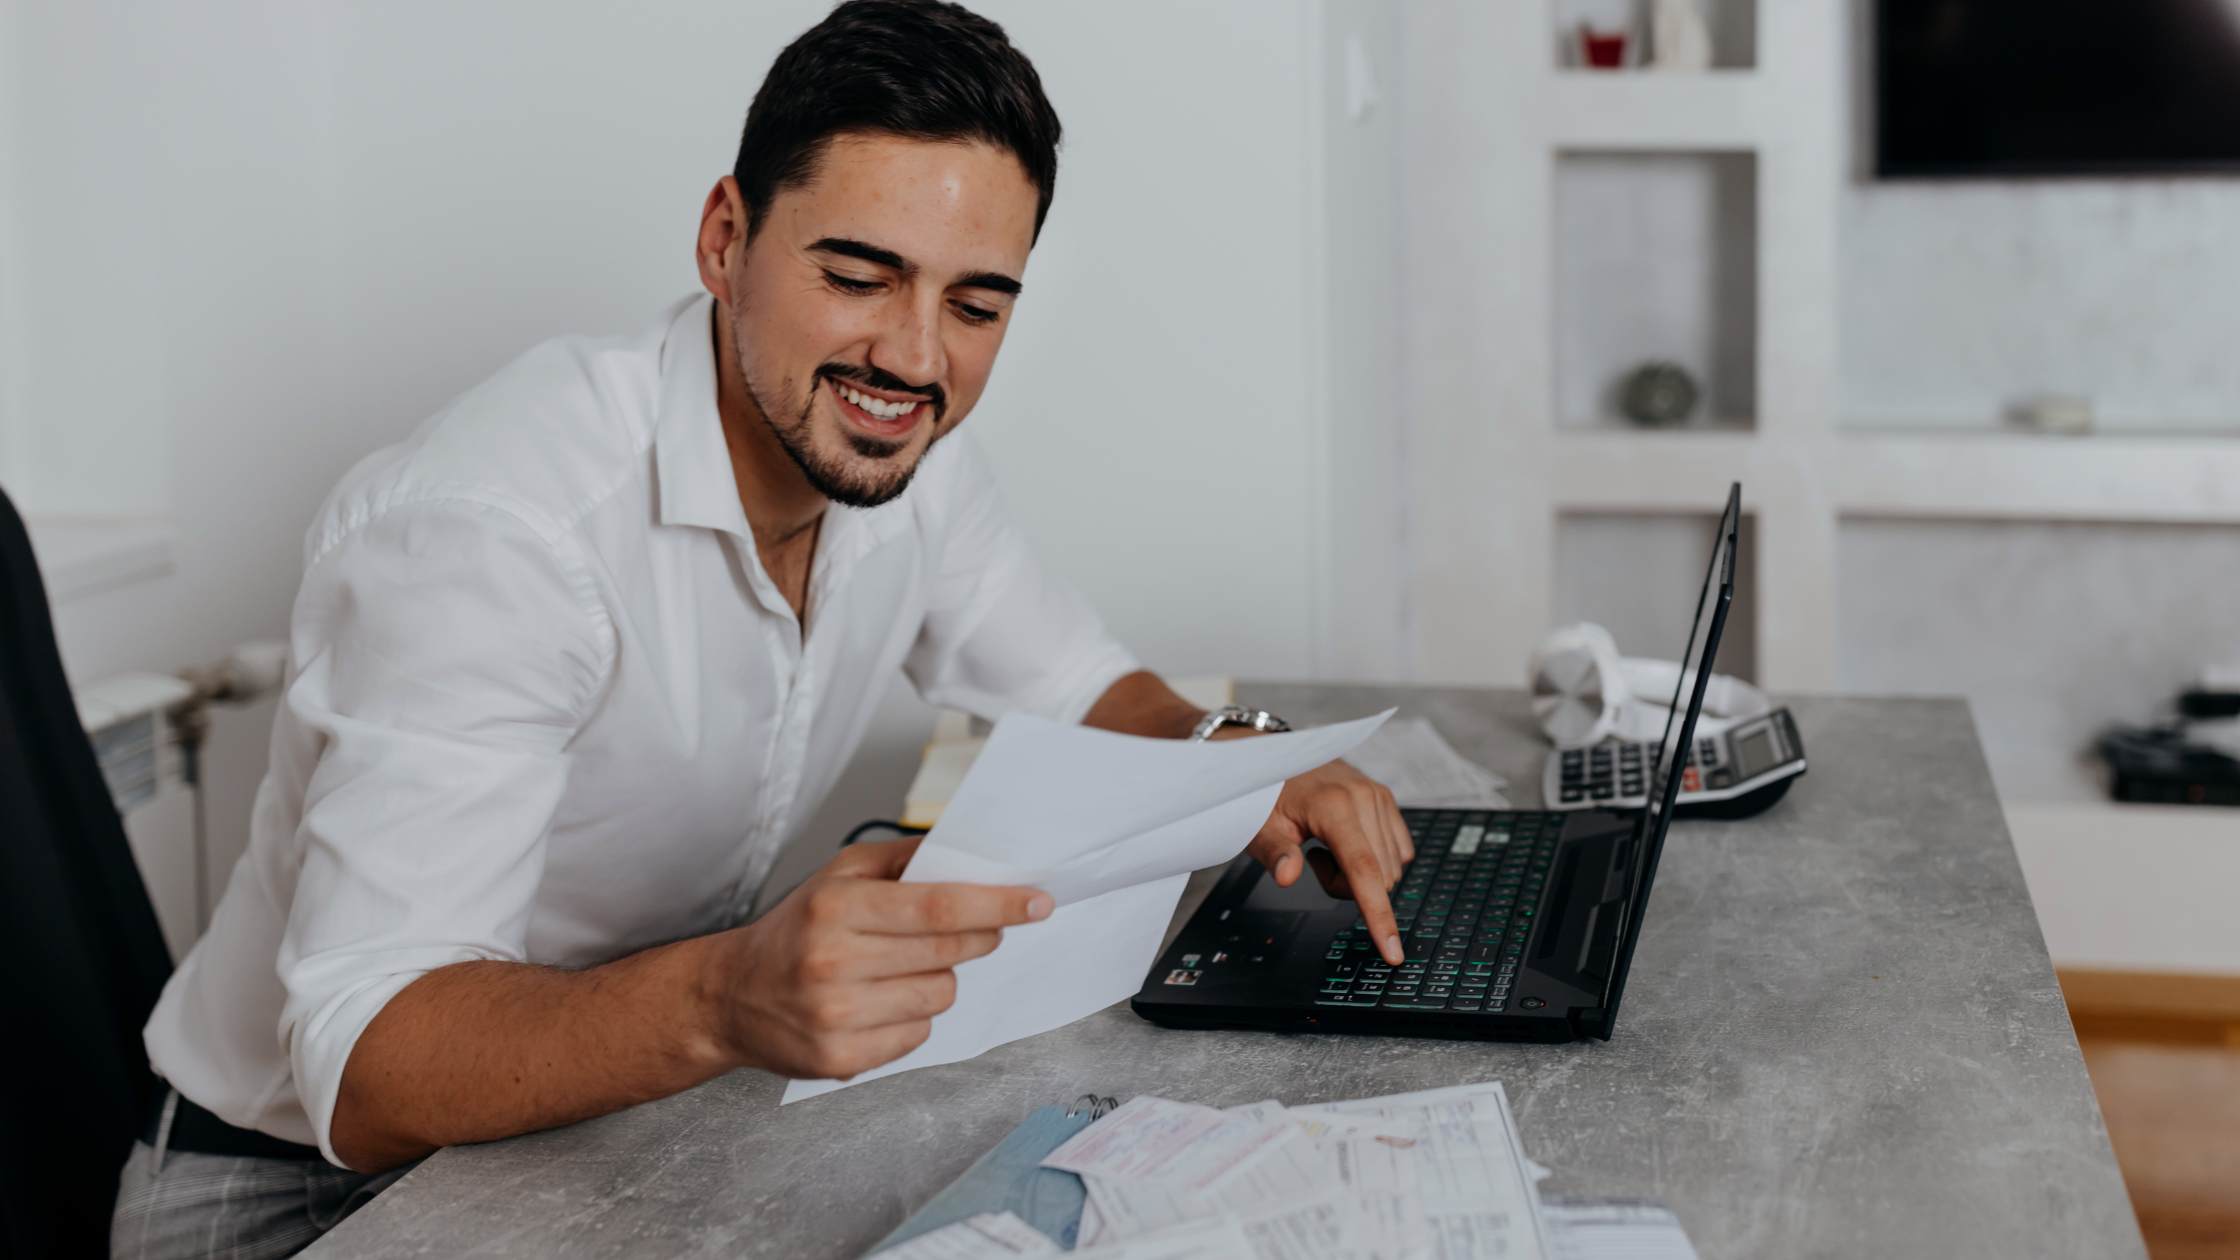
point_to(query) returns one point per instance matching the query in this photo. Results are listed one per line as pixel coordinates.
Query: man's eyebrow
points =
(994, 281)
(866, 251)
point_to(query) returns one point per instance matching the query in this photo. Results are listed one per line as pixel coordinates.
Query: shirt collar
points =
(693, 466)
(690, 459)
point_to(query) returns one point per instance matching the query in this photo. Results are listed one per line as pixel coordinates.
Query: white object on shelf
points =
(1679, 38)
(79, 558)
(2057, 414)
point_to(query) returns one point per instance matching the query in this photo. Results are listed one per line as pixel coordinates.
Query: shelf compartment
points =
(1656, 258)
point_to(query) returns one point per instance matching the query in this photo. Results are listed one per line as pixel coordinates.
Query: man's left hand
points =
(1369, 845)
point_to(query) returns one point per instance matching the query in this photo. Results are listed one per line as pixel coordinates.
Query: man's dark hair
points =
(919, 69)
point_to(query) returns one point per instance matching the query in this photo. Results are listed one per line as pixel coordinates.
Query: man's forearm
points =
(1141, 703)
(484, 1050)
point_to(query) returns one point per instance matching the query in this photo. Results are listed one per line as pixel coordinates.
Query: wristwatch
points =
(1237, 715)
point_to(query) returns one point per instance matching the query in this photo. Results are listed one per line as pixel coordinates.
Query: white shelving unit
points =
(1487, 116)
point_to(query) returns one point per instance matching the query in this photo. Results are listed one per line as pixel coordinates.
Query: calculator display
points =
(1755, 752)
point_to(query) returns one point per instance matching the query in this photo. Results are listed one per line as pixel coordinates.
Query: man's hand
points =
(1338, 805)
(850, 969)
(1354, 815)
(846, 974)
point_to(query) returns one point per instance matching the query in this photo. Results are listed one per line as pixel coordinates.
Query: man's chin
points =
(861, 478)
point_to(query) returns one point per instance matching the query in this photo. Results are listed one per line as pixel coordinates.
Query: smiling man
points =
(574, 662)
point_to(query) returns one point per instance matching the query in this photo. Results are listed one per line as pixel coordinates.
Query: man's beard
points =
(837, 480)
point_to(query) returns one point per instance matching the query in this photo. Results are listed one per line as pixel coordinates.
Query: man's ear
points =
(723, 237)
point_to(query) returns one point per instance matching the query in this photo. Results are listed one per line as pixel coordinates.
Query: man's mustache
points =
(875, 378)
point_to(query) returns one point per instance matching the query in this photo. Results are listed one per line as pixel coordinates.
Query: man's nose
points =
(910, 346)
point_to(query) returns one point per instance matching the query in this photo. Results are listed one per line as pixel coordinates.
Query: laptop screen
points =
(1679, 733)
(1695, 663)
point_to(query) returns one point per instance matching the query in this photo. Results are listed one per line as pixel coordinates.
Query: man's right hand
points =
(849, 970)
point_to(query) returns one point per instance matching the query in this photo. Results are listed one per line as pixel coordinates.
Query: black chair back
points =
(85, 957)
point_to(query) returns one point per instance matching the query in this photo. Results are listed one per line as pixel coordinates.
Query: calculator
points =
(1730, 774)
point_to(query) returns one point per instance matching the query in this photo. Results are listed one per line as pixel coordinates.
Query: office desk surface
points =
(1842, 1037)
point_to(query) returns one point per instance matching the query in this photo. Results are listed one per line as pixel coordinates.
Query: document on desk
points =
(1476, 1184)
(1110, 826)
(1409, 756)
(1301, 1186)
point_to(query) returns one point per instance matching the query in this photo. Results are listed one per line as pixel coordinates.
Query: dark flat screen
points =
(2054, 87)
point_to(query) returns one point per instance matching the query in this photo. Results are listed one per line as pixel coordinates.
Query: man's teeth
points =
(878, 407)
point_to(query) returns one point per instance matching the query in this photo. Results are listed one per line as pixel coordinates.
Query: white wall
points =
(1960, 298)
(253, 240)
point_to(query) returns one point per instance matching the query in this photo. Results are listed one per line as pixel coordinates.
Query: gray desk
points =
(1842, 1038)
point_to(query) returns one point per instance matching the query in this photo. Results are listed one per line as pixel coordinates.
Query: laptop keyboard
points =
(1465, 908)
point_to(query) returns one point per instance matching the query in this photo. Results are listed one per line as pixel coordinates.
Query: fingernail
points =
(1392, 947)
(1040, 907)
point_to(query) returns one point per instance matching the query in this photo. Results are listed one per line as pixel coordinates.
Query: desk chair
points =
(85, 957)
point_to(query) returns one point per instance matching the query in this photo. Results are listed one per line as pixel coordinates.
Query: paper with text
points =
(988, 1236)
(1172, 1145)
(1476, 1187)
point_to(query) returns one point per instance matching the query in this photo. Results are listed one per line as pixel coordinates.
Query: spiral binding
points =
(1098, 1106)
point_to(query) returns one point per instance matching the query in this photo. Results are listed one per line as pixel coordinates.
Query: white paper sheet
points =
(1409, 756)
(1344, 1192)
(1172, 1145)
(988, 1236)
(1615, 1229)
(1220, 1239)
(1111, 826)
(1477, 1192)
(1078, 812)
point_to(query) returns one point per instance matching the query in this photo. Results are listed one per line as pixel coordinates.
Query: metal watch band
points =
(1237, 715)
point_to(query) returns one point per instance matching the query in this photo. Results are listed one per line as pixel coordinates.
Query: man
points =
(571, 663)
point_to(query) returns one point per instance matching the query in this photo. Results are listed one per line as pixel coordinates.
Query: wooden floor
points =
(2164, 1053)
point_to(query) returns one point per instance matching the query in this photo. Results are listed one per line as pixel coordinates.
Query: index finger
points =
(938, 909)
(1365, 872)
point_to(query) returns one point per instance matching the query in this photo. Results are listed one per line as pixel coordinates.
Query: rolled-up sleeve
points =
(447, 652)
(1001, 633)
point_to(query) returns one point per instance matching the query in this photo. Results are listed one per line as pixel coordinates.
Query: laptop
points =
(1519, 925)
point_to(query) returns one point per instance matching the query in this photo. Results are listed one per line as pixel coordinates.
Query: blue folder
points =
(1010, 1179)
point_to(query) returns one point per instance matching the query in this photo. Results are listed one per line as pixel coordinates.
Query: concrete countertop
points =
(1842, 1037)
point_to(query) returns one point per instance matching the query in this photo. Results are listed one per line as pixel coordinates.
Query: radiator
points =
(151, 776)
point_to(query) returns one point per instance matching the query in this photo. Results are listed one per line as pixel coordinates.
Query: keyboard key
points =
(1415, 1004)
(1465, 1004)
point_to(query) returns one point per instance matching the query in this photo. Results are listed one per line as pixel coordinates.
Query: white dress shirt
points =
(545, 706)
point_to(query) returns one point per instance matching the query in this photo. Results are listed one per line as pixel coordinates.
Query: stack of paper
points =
(1409, 756)
(1437, 1175)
